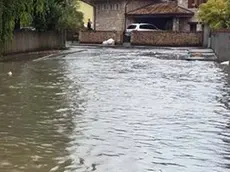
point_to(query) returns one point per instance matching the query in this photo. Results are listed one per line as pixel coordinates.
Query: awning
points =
(161, 9)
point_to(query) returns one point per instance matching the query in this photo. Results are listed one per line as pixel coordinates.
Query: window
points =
(191, 3)
(193, 27)
(147, 27)
(107, 6)
(195, 3)
(132, 27)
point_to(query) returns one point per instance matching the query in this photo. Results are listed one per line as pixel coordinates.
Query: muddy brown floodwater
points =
(114, 110)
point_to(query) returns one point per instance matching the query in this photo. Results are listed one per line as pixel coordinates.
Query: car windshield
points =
(132, 27)
(148, 26)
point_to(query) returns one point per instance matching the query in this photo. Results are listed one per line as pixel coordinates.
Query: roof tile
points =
(161, 9)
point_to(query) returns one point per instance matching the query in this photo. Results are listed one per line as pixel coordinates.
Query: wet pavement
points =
(106, 109)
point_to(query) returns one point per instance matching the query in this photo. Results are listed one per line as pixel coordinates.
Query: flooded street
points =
(115, 110)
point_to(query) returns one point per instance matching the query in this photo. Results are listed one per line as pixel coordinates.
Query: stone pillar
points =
(207, 37)
(176, 24)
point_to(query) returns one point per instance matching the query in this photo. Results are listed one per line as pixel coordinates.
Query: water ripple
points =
(115, 110)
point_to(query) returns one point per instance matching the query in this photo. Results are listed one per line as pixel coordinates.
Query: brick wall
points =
(167, 38)
(110, 15)
(98, 37)
(110, 20)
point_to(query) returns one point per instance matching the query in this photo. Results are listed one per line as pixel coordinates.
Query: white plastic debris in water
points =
(225, 63)
(109, 42)
(10, 73)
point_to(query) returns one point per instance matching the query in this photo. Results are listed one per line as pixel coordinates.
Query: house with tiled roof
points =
(177, 15)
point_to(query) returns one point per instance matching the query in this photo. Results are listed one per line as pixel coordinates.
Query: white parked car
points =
(140, 27)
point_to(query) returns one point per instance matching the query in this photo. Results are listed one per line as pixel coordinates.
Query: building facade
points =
(180, 15)
(192, 24)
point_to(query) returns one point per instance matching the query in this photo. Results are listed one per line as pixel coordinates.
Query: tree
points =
(215, 13)
(42, 14)
(16, 12)
(60, 14)
(1, 22)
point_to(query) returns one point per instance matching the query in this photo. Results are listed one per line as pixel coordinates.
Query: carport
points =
(166, 16)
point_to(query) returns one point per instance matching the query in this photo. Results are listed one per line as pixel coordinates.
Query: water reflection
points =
(114, 110)
(36, 118)
(224, 99)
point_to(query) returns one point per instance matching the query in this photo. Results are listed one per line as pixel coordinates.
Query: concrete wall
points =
(220, 43)
(184, 4)
(98, 37)
(28, 41)
(167, 38)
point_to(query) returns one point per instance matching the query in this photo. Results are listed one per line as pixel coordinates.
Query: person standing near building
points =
(89, 25)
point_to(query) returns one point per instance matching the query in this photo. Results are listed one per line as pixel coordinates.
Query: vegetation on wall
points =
(215, 13)
(41, 14)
